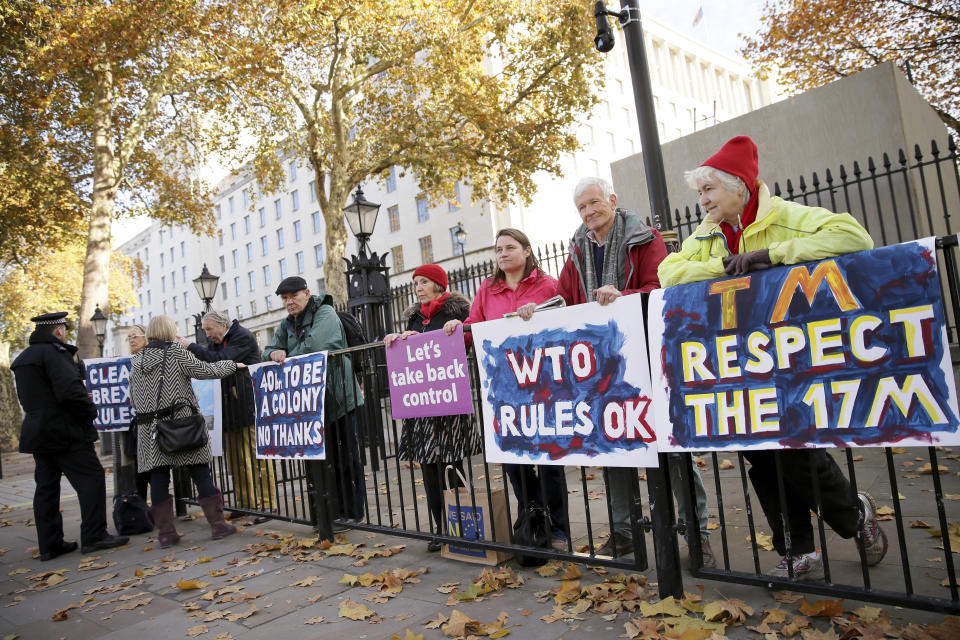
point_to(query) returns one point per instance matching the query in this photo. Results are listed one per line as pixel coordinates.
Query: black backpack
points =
(353, 330)
(130, 514)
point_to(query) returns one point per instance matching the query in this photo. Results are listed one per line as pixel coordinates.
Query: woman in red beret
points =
(435, 443)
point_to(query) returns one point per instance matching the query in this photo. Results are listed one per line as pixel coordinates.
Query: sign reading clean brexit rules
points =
(108, 383)
(569, 387)
(289, 407)
(428, 376)
(847, 352)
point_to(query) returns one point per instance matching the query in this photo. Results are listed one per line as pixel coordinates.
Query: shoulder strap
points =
(163, 375)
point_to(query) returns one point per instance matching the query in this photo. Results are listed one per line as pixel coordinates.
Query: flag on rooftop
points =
(698, 17)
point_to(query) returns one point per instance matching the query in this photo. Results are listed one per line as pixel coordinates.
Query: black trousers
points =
(85, 474)
(532, 482)
(838, 503)
(343, 454)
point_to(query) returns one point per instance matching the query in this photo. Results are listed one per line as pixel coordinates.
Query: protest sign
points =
(108, 383)
(846, 352)
(569, 387)
(428, 376)
(209, 400)
(289, 407)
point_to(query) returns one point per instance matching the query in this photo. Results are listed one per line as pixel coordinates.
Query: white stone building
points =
(265, 237)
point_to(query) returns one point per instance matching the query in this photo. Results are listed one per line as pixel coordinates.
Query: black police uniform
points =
(58, 430)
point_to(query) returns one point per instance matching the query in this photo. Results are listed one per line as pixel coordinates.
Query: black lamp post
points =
(658, 481)
(368, 277)
(206, 284)
(99, 327)
(461, 235)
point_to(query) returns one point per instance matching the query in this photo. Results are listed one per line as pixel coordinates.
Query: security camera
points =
(604, 40)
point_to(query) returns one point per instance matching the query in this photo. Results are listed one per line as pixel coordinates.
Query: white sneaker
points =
(806, 566)
(874, 539)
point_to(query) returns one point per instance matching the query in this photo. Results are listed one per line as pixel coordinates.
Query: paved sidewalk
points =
(291, 583)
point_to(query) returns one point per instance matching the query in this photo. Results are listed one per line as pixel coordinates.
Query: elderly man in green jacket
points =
(313, 326)
(748, 230)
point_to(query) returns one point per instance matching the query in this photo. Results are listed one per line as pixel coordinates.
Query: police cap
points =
(60, 317)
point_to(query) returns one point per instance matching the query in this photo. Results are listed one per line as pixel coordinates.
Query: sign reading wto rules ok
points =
(570, 387)
(289, 407)
(846, 352)
(428, 376)
(108, 383)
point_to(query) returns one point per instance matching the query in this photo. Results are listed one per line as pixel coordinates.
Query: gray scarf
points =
(613, 258)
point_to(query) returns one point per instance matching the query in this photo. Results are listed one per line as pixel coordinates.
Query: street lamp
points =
(361, 215)
(206, 284)
(99, 327)
(461, 235)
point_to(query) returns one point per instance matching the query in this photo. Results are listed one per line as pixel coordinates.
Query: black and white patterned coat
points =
(181, 366)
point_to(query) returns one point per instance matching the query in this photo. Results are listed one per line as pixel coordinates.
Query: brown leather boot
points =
(161, 516)
(213, 510)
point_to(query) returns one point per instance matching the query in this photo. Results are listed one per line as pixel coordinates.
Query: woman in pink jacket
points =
(520, 285)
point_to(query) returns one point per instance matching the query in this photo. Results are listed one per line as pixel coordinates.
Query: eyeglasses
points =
(132, 338)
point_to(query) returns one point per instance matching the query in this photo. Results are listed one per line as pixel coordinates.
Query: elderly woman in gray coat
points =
(146, 369)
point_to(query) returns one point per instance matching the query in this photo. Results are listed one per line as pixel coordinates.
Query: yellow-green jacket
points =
(792, 232)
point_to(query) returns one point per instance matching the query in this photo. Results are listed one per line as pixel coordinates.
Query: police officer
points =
(58, 430)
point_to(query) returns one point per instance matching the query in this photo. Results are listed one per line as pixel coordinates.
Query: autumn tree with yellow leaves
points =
(485, 91)
(808, 43)
(102, 105)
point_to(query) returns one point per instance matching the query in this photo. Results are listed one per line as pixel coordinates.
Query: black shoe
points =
(106, 542)
(262, 519)
(434, 545)
(65, 547)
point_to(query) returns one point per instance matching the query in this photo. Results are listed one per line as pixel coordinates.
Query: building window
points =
(612, 139)
(266, 275)
(246, 198)
(278, 209)
(393, 214)
(295, 199)
(321, 286)
(149, 299)
(183, 274)
(163, 283)
(239, 312)
(297, 231)
(161, 258)
(230, 203)
(318, 253)
(251, 280)
(218, 212)
(263, 217)
(246, 224)
(455, 203)
(268, 300)
(397, 253)
(292, 170)
(253, 307)
(300, 263)
(183, 249)
(186, 300)
(174, 300)
(316, 222)
(249, 251)
(223, 290)
(283, 268)
(392, 180)
(426, 250)
(173, 279)
(458, 248)
(279, 238)
(423, 211)
(164, 307)
(236, 258)
(263, 245)
(313, 191)
(219, 238)
(236, 285)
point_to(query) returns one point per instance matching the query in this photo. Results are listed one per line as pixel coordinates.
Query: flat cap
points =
(291, 284)
(60, 317)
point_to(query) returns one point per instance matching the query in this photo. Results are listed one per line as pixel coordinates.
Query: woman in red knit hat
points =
(435, 443)
(747, 229)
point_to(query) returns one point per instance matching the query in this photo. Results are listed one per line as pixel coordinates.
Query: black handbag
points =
(130, 514)
(175, 435)
(533, 528)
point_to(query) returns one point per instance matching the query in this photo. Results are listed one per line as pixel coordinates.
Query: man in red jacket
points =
(613, 253)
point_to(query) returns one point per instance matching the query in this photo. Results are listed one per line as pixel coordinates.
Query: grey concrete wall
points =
(847, 121)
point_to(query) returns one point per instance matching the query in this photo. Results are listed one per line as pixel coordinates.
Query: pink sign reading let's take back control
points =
(428, 376)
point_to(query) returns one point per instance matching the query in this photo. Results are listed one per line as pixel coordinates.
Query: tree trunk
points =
(10, 414)
(96, 267)
(336, 238)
